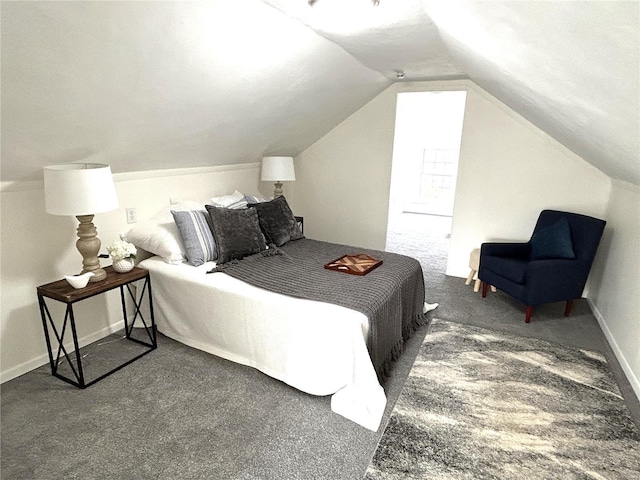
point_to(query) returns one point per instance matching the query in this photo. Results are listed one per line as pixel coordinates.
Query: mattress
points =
(318, 348)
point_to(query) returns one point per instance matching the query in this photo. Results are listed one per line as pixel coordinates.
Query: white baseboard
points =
(44, 359)
(626, 368)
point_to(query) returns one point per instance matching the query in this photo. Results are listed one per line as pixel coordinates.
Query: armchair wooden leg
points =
(568, 307)
(527, 317)
(484, 289)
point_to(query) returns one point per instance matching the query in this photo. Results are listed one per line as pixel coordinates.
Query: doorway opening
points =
(424, 170)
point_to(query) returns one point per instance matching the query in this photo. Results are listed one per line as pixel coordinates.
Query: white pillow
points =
(257, 199)
(235, 200)
(159, 235)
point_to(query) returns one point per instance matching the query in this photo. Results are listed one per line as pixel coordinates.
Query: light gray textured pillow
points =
(236, 232)
(196, 236)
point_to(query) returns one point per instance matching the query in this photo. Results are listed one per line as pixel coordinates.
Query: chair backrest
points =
(585, 231)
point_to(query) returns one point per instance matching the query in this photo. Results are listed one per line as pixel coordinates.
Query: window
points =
(438, 174)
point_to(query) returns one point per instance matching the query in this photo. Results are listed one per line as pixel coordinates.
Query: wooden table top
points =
(62, 291)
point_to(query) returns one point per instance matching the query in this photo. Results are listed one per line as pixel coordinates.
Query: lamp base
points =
(88, 245)
(99, 275)
(277, 192)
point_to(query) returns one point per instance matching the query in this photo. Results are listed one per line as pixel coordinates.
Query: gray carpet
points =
(179, 413)
(425, 237)
(481, 404)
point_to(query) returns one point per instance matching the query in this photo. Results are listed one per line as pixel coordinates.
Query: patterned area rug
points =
(480, 404)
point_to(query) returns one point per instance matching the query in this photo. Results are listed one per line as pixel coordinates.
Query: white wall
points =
(342, 181)
(616, 279)
(38, 248)
(509, 171)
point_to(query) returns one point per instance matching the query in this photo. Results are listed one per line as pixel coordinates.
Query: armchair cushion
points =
(553, 241)
(514, 269)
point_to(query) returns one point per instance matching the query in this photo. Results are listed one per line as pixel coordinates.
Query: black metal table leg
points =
(63, 292)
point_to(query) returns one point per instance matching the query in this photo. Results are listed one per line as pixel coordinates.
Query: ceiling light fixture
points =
(399, 74)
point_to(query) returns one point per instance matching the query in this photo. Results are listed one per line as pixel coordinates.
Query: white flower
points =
(121, 249)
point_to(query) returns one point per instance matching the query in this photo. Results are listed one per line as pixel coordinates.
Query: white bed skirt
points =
(316, 347)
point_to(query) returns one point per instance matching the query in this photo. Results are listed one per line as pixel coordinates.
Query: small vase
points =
(122, 265)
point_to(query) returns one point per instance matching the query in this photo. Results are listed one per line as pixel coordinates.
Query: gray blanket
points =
(391, 296)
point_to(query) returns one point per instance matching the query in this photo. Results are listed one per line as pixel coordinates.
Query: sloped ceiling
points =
(153, 85)
(148, 85)
(572, 68)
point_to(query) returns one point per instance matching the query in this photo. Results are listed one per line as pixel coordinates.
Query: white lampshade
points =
(278, 169)
(79, 189)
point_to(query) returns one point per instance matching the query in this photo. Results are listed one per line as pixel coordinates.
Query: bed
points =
(282, 324)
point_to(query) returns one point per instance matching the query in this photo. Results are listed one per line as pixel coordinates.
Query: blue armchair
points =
(552, 266)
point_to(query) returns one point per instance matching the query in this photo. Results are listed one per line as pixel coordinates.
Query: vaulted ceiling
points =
(152, 85)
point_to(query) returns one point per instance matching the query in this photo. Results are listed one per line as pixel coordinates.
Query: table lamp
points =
(82, 190)
(278, 169)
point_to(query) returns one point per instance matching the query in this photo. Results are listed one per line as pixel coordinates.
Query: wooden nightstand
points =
(61, 291)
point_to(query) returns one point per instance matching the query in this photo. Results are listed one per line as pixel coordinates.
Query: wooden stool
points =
(474, 265)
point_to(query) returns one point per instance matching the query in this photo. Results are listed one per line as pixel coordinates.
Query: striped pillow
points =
(195, 232)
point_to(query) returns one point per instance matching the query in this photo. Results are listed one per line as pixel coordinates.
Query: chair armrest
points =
(556, 279)
(506, 249)
(565, 268)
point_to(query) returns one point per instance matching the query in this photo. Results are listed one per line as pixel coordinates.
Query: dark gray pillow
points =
(236, 232)
(277, 221)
